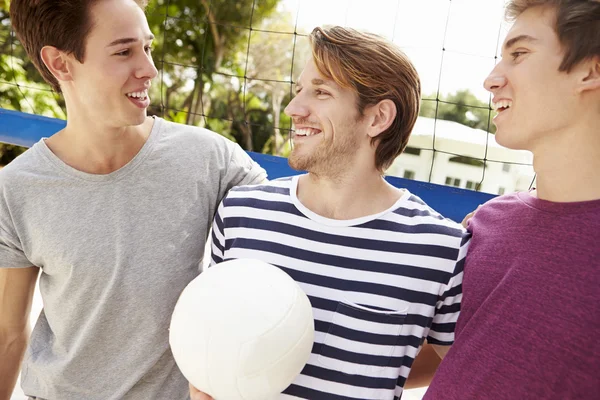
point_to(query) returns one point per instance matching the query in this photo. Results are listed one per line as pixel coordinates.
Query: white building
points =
(458, 159)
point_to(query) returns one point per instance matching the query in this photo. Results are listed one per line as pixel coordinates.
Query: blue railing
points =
(26, 129)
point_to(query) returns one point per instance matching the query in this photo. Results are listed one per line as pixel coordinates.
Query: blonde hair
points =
(376, 70)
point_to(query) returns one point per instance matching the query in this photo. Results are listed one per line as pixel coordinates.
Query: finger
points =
(465, 221)
(195, 394)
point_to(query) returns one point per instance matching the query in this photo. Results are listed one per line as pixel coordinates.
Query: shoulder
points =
(193, 145)
(499, 208)
(268, 200)
(280, 186)
(22, 166)
(506, 200)
(275, 190)
(415, 212)
(192, 134)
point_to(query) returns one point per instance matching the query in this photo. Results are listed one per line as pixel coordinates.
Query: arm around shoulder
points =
(16, 295)
(243, 170)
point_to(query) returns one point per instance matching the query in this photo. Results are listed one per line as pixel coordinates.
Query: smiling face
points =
(328, 128)
(111, 84)
(535, 101)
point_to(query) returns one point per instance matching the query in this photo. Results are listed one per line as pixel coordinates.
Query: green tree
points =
(195, 41)
(21, 87)
(462, 107)
(199, 46)
(276, 61)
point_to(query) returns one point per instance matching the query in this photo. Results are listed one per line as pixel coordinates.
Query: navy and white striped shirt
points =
(379, 285)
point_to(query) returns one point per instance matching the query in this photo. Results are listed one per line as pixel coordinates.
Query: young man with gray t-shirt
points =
(114, 210)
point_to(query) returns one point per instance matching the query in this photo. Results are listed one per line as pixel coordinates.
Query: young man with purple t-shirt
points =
(530, 314)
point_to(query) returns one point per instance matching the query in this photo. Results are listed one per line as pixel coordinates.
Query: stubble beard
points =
(329, 159)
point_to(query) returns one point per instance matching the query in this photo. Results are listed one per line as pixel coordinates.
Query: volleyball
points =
(242, 330)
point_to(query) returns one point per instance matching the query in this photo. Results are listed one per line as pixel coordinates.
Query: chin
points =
(137, 120)
(513, 139)
(299, 162)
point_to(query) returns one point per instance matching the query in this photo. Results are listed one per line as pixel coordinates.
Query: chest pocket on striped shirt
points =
(361, 341)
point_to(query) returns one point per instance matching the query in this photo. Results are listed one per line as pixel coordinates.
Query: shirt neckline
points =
(340, 222)
(146, 149)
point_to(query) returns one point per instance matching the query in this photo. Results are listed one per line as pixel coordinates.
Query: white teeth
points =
(139, 95)
(502, 104)
(306, 132)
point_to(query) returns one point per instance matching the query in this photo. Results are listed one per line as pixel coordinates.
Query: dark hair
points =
(376, 70)
(64, 24)
(577, 26)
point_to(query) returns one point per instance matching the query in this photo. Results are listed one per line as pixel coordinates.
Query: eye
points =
(125, 52)
(148, 49)
(320, 92)
(516, 54)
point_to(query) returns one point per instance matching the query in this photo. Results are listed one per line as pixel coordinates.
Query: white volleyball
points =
(242, 330)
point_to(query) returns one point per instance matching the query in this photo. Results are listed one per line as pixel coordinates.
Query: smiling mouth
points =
(502, 105)
(143, 95)
(306, 132)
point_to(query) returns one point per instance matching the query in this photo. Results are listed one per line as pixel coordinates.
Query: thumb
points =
(195, 394)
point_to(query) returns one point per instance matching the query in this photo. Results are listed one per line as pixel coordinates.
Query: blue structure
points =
(26, 129)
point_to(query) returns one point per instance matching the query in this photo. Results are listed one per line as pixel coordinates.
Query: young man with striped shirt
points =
(383, 271)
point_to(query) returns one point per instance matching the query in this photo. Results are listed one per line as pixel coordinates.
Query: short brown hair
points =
(577, 26)
(376, 70)
(64, 24)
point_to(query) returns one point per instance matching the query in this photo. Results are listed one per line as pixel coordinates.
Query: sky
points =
(470, 31)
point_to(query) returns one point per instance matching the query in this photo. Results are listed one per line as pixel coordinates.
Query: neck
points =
(98, 148)
(567, 167)
(351, 195)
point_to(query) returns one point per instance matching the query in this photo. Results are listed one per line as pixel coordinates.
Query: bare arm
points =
(441, 350)
(16, 294)
(424, 367)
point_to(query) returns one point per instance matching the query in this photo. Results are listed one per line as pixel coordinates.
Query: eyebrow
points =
(317, 82)
(521, 38)
(128, 40)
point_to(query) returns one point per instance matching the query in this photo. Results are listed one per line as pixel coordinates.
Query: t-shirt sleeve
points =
(242, 170)
(448, 305)
(11, 251)
(218, 237)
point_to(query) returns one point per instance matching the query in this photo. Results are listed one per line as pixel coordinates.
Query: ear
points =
(382, 116)
(57, 63)
(591, 75)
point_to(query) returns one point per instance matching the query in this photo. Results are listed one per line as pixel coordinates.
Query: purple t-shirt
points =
(529, 326)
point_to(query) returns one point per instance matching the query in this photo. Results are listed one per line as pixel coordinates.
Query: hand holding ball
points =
(242, 330)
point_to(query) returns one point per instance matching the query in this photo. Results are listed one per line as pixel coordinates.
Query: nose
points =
(146, 68)
(495, 80)
(297, 108)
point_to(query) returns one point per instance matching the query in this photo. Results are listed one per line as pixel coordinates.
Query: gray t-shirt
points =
(115, 252)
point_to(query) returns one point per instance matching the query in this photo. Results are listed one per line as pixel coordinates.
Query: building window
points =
(408, 174)
(412, 150)
(473, 185)
(450, 181)
(501, 190)
(506, 167)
